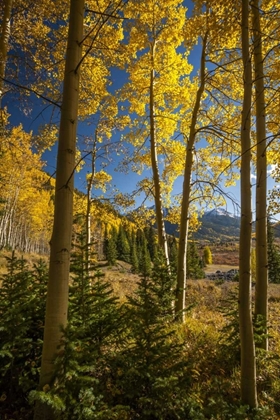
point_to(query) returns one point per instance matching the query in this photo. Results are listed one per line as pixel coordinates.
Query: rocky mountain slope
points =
(218, 225)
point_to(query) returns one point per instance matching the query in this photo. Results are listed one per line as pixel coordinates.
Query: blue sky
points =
(41, 114)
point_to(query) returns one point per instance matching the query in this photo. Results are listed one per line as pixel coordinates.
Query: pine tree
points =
(110, 246)
(273, 256)
(144, 259)
(173, 252)
(133, 255)
(194, 262)
(86, 358)
(22, 306)
(152, 245)
(123, 248)
(140, 239)
(105, 241)
(150, 369)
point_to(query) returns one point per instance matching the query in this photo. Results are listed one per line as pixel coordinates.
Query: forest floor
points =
(30, 258)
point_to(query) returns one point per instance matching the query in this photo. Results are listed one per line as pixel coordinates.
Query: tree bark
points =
(4, 42)
(248, 360)
(57, 296)
(162, 239)
(261, 305)
(184, 220)
(88, 214)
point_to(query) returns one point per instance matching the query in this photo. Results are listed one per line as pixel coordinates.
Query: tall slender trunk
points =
(184, 220)
(261, 305)
(248, 360)
(162, 239)
(57, 296)
(4, 42)
(88, 213)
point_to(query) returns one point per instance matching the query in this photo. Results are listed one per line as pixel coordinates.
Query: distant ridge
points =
(217, 225)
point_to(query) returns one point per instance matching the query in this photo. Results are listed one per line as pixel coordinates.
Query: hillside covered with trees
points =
(116, 90)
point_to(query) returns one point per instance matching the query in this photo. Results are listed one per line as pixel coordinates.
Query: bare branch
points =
(30, 90)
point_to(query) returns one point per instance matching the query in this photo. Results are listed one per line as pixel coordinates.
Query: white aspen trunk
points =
(248, 358)
(261, 300)
(3, 224)
(88, 214)
(14, 235)
(58, 285)
(184, 220)
(9, 220)
(10, 225)
(12, 215)
(162, 239)
(4, 42)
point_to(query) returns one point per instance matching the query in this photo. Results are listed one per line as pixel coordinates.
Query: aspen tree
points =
(261, 302)
(248, 357)
(25, 192)
(184, 220)
(6, 10)
(57, 296)
(90, 180)
(211, 118)
(36, 48)
(162, 238)
(157, 73)
(100, 149)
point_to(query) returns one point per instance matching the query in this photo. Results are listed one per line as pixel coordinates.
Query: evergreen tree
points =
(173, 252)
(150, 369)
(140, 240)
(144, 259)
(123, 248)
(194, 262)
(133, 255)
(106, 240)
(110, 246)
(151, 237)
(129, 235)
(273, 255)
(84, 363)
(22, 306)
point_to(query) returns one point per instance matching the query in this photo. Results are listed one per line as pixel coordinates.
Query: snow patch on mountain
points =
(219, 211)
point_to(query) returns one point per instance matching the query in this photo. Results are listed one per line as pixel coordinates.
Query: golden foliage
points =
(26, 193)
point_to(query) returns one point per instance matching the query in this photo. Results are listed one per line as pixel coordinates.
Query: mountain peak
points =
(219, 211)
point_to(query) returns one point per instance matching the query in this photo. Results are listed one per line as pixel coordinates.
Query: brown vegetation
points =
(225, 254)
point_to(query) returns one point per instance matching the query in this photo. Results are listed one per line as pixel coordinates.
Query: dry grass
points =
(30, 258)
(120, 277)
(212, 268)
(274, 292)
(228, 257)
(124, 282)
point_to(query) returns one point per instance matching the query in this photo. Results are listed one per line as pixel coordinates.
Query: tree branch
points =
(30, 90)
